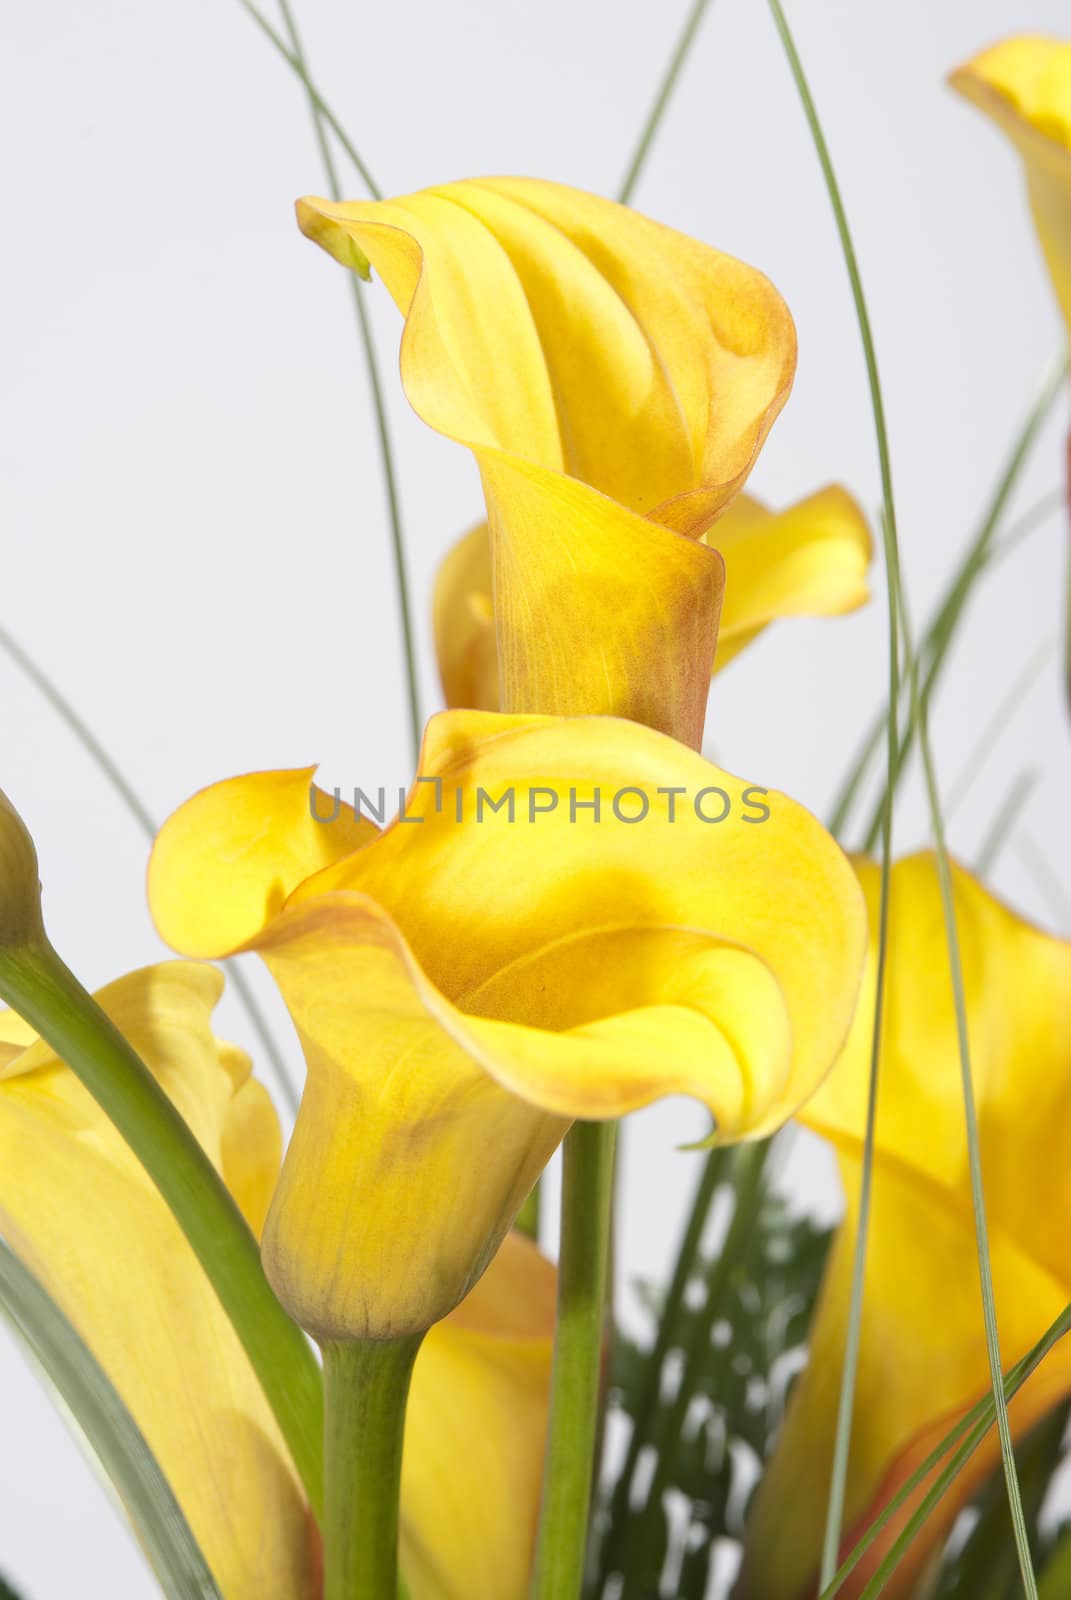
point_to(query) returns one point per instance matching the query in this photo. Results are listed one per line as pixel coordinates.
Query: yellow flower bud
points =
(20, 885)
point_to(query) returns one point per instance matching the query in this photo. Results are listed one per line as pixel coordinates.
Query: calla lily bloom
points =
(78, 1209)
(473, 979)
(1024, 84)
(615, 381)
(923, 1359)
(809, 560)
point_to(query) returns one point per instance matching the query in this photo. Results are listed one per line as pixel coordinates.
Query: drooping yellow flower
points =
(473, 979)
(615, 381)
(1024, 84)
(809, 560)
(78, 1209)
(923, 1357)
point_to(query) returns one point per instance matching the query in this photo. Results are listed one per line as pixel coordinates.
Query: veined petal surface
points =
(808, 560)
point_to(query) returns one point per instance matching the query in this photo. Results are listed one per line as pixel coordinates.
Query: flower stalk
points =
(587, 1197)
(366, 1386)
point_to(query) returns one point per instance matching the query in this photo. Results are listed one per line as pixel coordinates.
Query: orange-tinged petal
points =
(78, 1208)
(473, 1466)
(1024, 84)
(923, 1357)
(809, 560)
(476, 977)
(922, 1364)
(644, 372)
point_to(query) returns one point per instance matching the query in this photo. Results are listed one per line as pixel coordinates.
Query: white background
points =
(194, 526)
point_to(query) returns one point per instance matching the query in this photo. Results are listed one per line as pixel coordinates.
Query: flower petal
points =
(1024, 84)
(809, 560)
(473, 1466)
(266, 839)
(77, 1207)
(922, 1363)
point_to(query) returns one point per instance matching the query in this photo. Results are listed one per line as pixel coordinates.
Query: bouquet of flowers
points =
(338, 1365)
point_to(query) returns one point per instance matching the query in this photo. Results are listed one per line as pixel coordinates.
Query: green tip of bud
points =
(21, 923)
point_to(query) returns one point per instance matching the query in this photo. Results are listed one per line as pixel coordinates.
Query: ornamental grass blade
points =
(110, 1430)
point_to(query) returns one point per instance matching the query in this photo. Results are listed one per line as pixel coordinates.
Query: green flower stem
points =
(669, 1327)
(320, 124)
(583, 1263)
(37, 984)
(366, 1385)
(749, 1172)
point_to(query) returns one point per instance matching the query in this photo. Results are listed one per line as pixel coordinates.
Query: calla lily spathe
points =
(808, 560)
(78, 1209)
(923, 1355)
(615, 381)
(464, 988)
(1024, 84)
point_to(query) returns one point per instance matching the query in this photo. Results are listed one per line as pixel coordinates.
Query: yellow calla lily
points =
(808, 560)
(474, 978)
(79, 1210)
(923, 1355)
(76, 1206)
(1024, 84)
(644, 373)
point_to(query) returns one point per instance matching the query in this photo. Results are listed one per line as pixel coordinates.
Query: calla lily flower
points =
(472, 979)
(809, 560)
(78, 1209)
(615, 381)
(923, 1356)
(1024, 84)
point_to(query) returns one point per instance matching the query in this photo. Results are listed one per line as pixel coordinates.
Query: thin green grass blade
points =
(995, 727)
(896, 626)
(322, 108)
(143, 817)
(917, 724)
(663, 95)
(980, 553)
(1046, 880)
(110, 1430)
(1004, 821)
(969, 1431)
(379, 405)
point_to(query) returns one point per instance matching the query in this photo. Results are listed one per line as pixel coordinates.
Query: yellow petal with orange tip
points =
(1024, 84)
(923, 1358)
(644, 373)
(79, 1210)
(519, 951)
(473, 1465)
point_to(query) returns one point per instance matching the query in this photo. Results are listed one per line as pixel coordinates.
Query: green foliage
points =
(755, 1348)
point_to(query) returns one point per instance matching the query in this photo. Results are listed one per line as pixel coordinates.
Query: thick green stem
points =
(37, 984)
(587, 1197)
(366, 1385)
